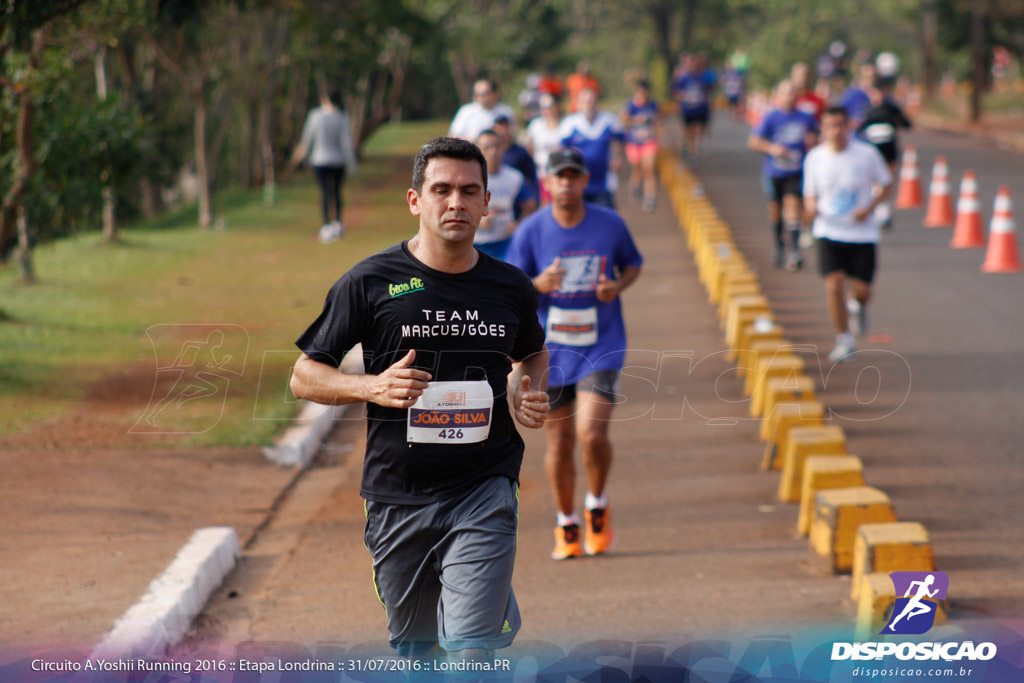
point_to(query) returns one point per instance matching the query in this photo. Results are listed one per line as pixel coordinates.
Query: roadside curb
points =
(165, 613)
(300, 442)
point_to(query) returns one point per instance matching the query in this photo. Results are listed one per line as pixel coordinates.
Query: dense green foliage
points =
(249, 70)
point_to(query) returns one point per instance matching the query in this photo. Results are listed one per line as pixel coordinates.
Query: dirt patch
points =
(103, 418)
(92, 511)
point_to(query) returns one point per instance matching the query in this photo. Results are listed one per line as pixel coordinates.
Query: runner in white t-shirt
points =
(479, 115)
(511, 198)
(844, 180)
(543, 136)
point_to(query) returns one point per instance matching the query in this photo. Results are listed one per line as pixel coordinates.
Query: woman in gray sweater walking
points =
(327, 142)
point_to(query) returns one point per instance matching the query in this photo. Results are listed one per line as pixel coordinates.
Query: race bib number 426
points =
(451, 412)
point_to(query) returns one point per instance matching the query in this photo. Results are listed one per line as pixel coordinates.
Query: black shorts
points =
(604, 383)
(692, 117)
(889, 151)
(855, 259)
(790, 184)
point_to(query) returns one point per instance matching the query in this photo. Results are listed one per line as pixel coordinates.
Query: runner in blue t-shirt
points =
(596, 134)
(784, 137)
(857, 98)
(734, 88)
(692, 85)
(640, 117)
(581, 257)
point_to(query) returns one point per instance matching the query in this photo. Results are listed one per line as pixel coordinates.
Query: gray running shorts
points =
(443, 571)
(604, 383)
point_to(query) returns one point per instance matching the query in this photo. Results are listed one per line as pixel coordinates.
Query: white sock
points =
(846, 339)
(592, 502)
(566, 520)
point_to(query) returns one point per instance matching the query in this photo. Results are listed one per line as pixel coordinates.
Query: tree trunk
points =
(150, 201)
(661, 14)
(109, 215)
(356, 105)
(279, 28)
(267, 158)
(385, 99)
(930, 47)
(977, 58)
(136, 59)
(109, 199)
(28, 274)
(463, 86)
(202, 171)
(26, 159)
(246, 136)
(689, 21)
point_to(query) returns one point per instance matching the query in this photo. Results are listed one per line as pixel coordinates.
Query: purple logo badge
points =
(917, 598)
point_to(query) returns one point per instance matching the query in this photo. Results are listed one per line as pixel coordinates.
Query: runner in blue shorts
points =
(784, 137)
(581, 257)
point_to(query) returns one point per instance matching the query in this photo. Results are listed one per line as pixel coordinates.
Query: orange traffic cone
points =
(940, 198)
(1002, 255)
(967, 233)
(908, 196)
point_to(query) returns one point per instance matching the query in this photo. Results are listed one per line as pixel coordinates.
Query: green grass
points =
(92, 332)
(999, 104)
(1003, 103)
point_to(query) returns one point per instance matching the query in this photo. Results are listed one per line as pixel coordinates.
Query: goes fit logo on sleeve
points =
(413, 285)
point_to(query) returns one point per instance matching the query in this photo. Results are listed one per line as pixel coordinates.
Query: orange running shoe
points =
(567, 542)
(600, 535)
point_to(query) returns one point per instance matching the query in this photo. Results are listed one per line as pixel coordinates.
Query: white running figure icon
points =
(915, 606)
(196, 377)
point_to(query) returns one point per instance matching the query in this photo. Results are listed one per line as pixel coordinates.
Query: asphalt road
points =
(942, 436)
(934, 409)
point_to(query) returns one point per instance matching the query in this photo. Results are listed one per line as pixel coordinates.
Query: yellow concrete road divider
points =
(716, 252)
(874, 606)
(816, 471)
(720, 272)
(697, 211)
(802, 443)
(769, 366)
(754, 346)
(701, 234)
(742, 311)
(890, 547)
(698, 237)
(775, 426)
(821, 473)
(736, 283)
(838, 513)
(704, 226)
(734, 288)
(780, 391)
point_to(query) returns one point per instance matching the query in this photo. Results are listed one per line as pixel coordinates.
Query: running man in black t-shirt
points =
(882, 122)
(453, 351)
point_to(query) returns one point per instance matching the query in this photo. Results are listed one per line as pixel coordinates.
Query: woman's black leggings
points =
(330, 179)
